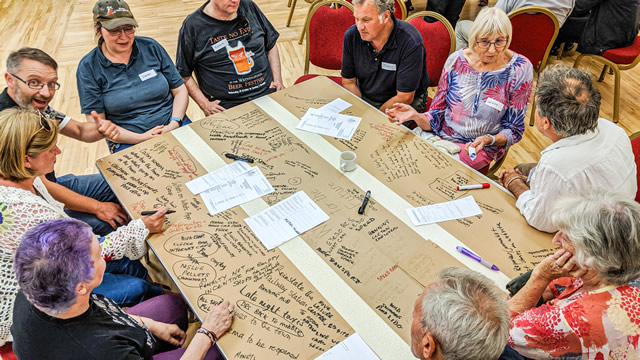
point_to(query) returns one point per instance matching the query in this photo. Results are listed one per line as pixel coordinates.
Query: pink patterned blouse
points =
(470, 103)
(601, 324)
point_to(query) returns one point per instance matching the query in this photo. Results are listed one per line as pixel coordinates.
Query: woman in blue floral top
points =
(482, 95)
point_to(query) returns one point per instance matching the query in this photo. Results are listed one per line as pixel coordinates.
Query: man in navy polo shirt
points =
(383, 59)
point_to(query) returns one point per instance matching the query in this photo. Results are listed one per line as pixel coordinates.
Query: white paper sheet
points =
(328, 123)
(449, 210)
(351, 348)
(336, 106)
(245, 187)
(218, 176)
(286, 220)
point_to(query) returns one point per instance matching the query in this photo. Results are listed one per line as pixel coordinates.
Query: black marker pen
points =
(151, 212)
(236, 157)
(364, 202)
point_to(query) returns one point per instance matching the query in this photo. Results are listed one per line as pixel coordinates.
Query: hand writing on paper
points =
(111, 213)
(401, 113)
(211, 107)
(154, 222)
(219, 319)
(105, 127)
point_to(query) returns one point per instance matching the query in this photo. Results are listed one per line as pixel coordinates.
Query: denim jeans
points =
(95, 187)
(124, 282)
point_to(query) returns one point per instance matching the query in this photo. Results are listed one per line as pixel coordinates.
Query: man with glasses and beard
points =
(32, 80)
(231, 47)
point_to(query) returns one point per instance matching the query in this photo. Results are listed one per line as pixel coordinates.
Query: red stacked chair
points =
(439, 41)
(535, 28)
(325, 30)
(618, 60)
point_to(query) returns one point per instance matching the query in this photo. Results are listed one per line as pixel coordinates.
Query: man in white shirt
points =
(587, 153)
(560, 8)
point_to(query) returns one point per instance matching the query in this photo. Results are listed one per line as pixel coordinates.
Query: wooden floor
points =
(63, 28)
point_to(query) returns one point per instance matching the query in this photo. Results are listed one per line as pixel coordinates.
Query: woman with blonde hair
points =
(482, 96)
(28, 150)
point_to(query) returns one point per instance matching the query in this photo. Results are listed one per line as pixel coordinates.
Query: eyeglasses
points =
(38, 85)
(44, 124)
(127, 29)
(44, 121)
(498, 44)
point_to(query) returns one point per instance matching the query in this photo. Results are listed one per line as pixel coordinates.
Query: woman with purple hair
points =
(28, 150)
(57, 265)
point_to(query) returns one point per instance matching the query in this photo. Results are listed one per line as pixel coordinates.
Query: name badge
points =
(388, 66)
(220, 44)
(147, 75)
(494, 104)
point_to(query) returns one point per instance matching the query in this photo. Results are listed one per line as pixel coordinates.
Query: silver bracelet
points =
(493, 139)
(511, 180)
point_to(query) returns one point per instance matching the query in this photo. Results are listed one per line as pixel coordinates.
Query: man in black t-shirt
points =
(232, 50)
(383, 59)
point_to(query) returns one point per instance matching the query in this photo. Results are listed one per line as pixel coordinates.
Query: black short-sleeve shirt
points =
(229, 58)
(400, 66)
(104, 331)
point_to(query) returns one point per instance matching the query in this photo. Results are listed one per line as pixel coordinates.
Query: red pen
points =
(471, 187)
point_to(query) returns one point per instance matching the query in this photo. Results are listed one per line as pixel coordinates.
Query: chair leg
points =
(293, 7)
(532, 117)
(616, 95)
(603, 73)
(578, 60)
(560, 50)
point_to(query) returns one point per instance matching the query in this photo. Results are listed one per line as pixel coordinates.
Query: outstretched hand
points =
(105, 127)
(401, 113)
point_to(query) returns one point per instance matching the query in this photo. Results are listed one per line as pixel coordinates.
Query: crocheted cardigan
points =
(21, 210)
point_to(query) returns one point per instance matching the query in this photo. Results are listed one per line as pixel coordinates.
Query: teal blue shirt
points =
(135, 96)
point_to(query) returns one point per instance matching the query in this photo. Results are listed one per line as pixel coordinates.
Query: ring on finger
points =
(230, 309)
(556, 264)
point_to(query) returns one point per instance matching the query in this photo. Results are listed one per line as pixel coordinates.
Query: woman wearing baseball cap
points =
(130, 79)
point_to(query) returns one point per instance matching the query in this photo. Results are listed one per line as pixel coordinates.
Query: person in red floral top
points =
(591, 286)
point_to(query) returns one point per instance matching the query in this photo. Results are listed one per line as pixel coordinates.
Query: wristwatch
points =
(175, 118)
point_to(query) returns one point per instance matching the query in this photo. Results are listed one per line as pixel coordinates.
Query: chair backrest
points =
(400, 9)
(439, 41)
(535, 28)
(635, 145)
(325, 30)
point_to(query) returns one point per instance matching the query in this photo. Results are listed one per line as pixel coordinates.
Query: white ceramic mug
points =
(347, 161)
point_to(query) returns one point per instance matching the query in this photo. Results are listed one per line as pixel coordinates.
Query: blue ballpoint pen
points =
(476, 258)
